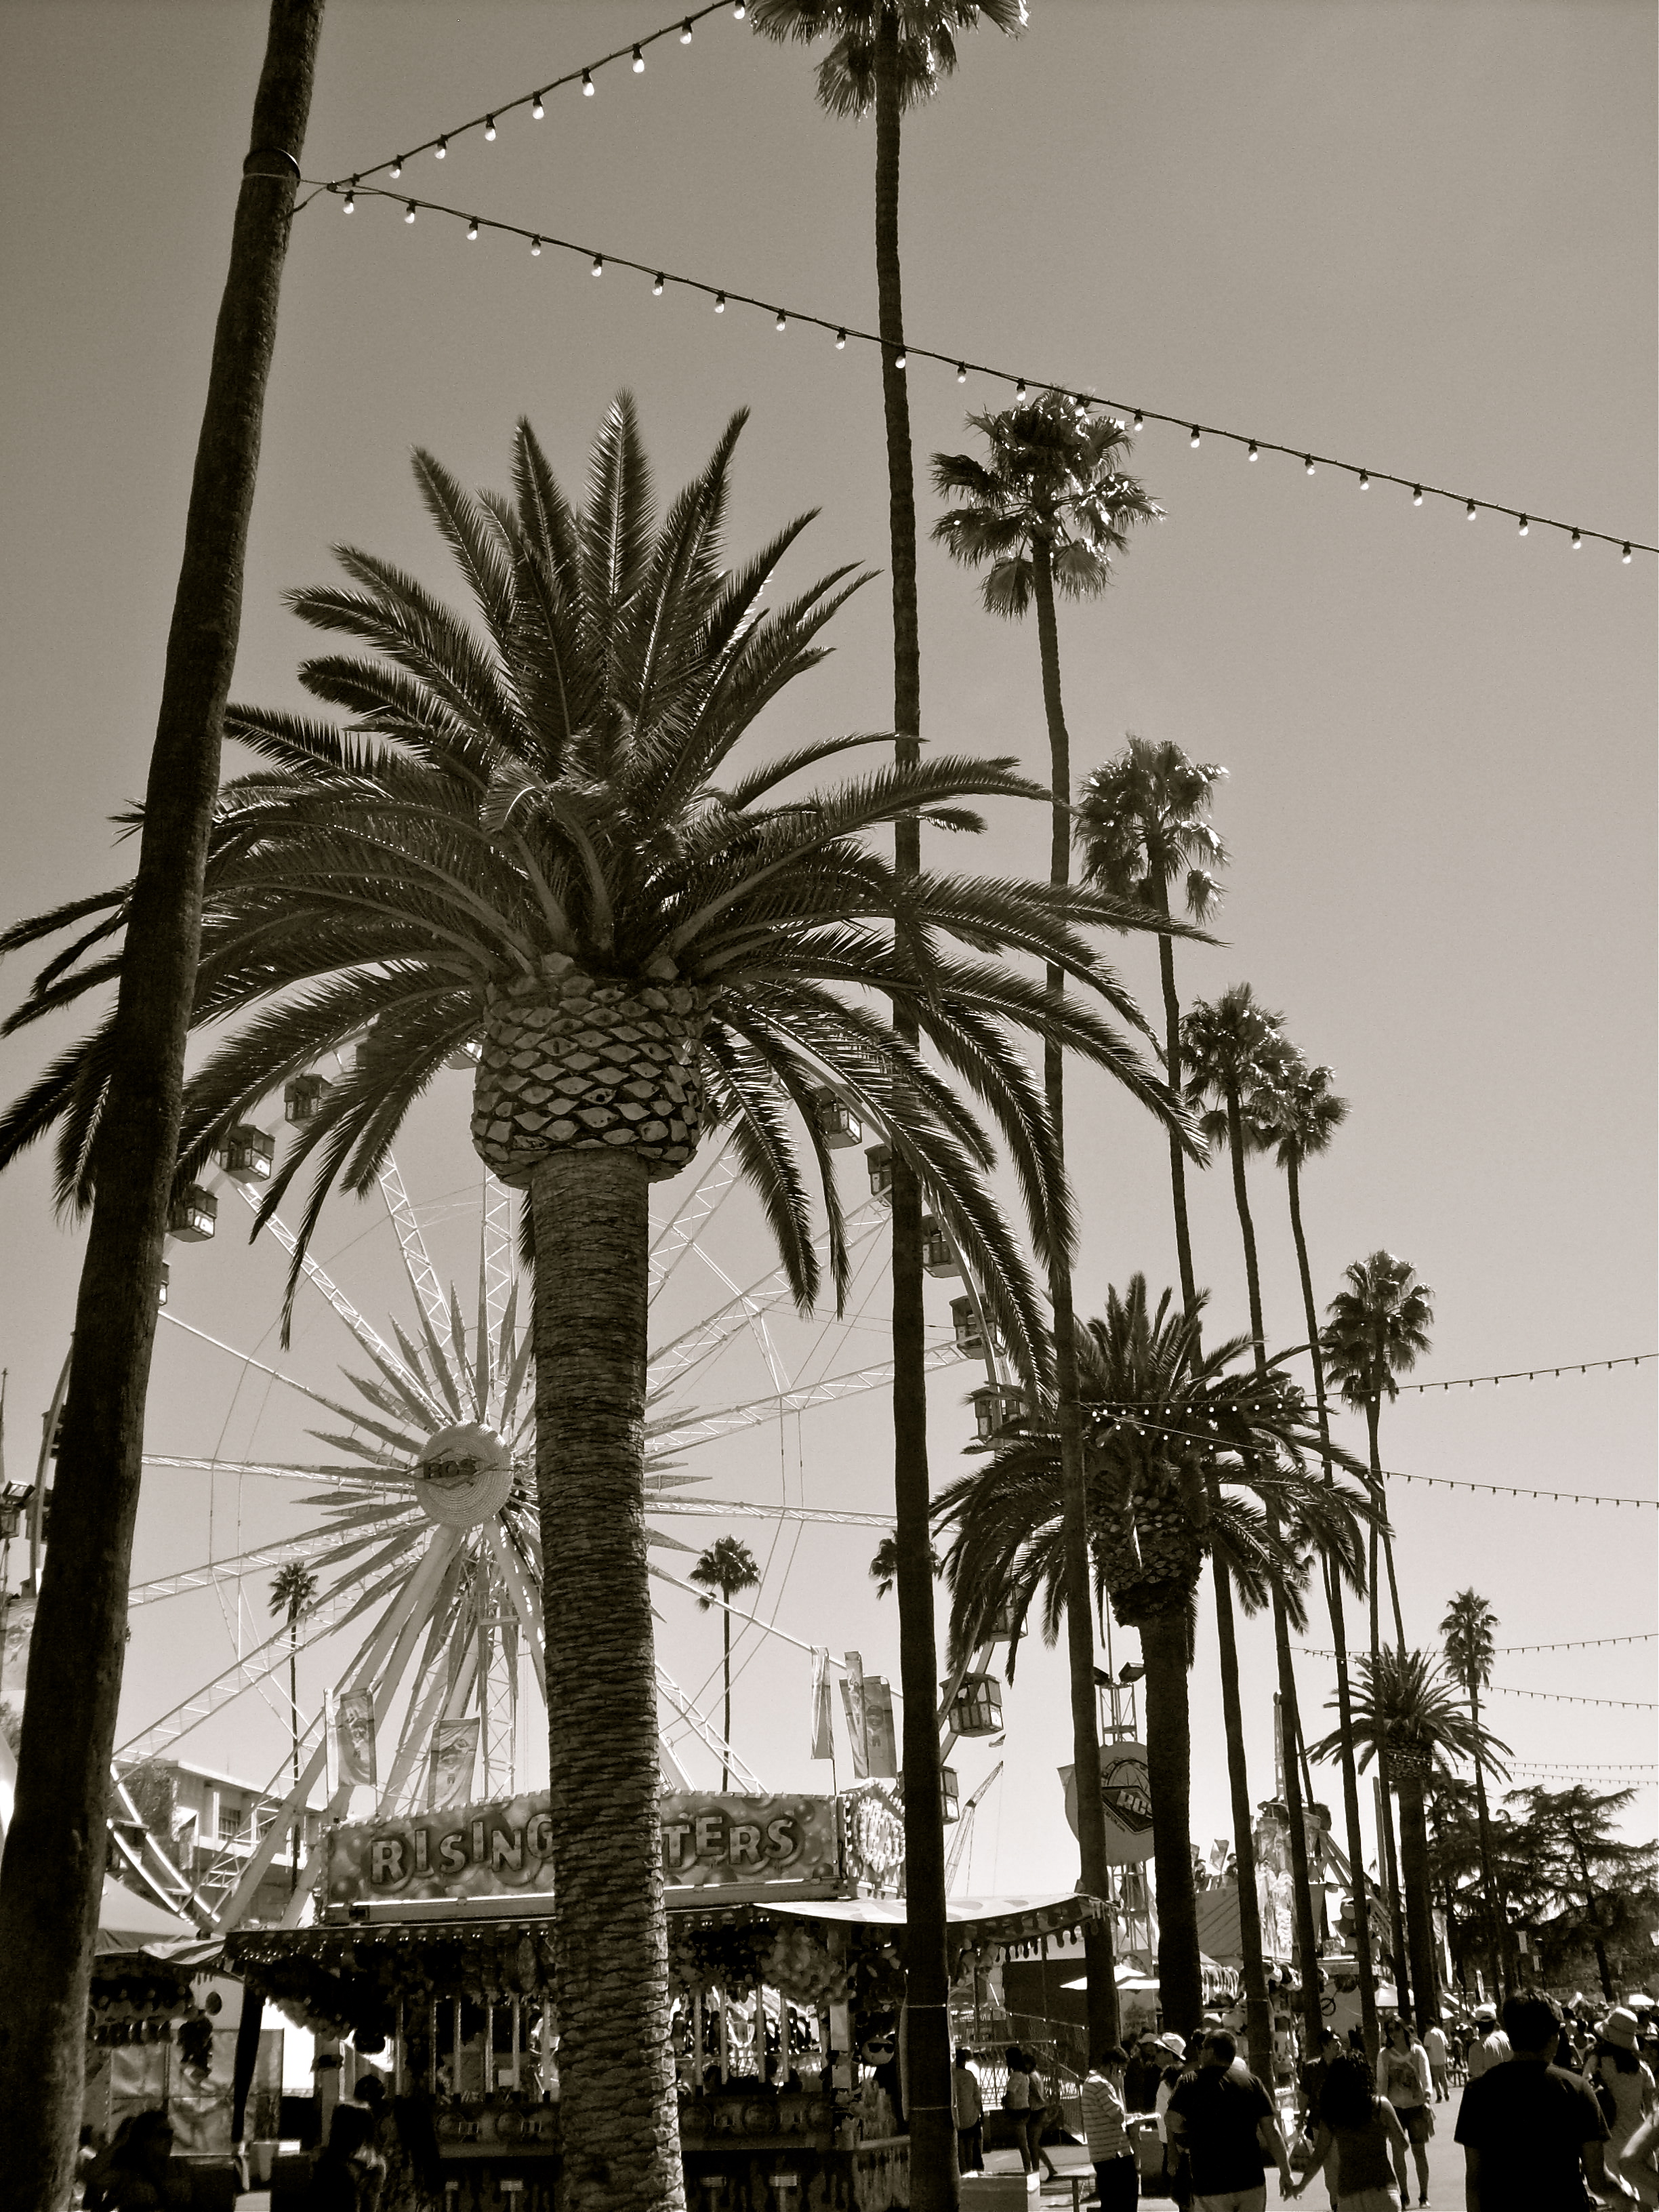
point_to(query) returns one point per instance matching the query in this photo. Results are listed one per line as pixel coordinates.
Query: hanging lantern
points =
(976, 1709)
(880, 1159)
(246, 1153)
(952, 1794)
(1000, 1622)
(838, 1125)
(938, 1253)
(194, 1216)
(997, 1407)
(167, 1276)
(964, 1320)
(303, 1096)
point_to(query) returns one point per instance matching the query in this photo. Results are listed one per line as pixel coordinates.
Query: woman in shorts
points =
(1403, 2080)
(1359, 2143)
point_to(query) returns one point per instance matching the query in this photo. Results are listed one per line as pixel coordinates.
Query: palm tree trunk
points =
(1307, 1941)
(54, 1863)
(1166, 1649)
(1098, 1948)
(294, 1734)
(725, 1669)
(931, 2114)
(1258, 2014)
(1491, 1893)
(1419, 1897)
(1390, 1865)
(1159, 891)
(620, 2129)
(1363, 1962)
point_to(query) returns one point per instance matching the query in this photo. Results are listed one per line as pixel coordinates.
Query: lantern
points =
(938, 1253)
(167, 1276)
(195, 1213)
(964, 1320)
(246, 1153)
(303, 1096)
(880, 1159)
(11, 1514)
(997, 1407)
(952, 1793)
(1000, 1621)
(976, 1709)
(838, 1125)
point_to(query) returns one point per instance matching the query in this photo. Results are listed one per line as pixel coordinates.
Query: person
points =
(1531, 2133)
(1404, 2080)
(1358, 2143)
(346, 2177)
(137, 2175)
(1135, 2076)
(1314, 2070)
(1624, 2084)
(1639, 2163)
(1227, 2127)
(1489, 2046)
(1438, 2053)
(1037, 2118)
(1104, 2115)
(969, 2108)
(1182, 2056)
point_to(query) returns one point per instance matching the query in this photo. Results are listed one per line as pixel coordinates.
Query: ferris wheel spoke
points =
(260, 1560)
(245, 1358)
(423, 1275)
(670, 1244)
(723, 1508)
(754, 1412)
(704, 1730)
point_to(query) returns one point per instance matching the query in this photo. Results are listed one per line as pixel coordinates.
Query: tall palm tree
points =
(52, 1883)
(1467, 1634)
(1143, 825)
(1405, 1709)
(1181, 1455)
(531, 839)
(1044, 517)
(292, 1594)
(883, 1566)
(890, 56)
(1235, 1056)
(727, 1566)
(1302, 1113)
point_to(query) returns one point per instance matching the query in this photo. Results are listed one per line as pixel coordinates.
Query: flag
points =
(449, 1770)
(852, 1697)
(348, 1739)
(1220, 1852)
(823, 1740)
(881, 1745)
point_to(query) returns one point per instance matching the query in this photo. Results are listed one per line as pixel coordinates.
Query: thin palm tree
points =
(890, 56)
(1467, 1634)
(883, 1566)
(1183, 1456)
(727, 1566)
(1235, 1055)
(1044, 516)
(531, 840)
(292, 1594)
(1302, 1114)
(1405, 1709)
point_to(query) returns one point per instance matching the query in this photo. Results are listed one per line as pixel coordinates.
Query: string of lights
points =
(1582, 1643)
(350, 190)
(536, 99)
(1504, 1689)
(1583, 1766)
(1532, 1374)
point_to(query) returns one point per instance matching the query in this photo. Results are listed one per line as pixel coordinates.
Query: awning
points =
(127, 1921)
(996, 1919)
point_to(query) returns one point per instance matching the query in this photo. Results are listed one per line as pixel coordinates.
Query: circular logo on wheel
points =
(1126, 1793)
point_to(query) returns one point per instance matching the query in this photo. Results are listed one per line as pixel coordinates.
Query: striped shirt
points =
(1103, 2120)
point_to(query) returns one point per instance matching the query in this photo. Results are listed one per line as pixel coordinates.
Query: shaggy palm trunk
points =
(1363, 1962)
(1166, 1649)
(619, 2126)
(1098, 1949)
(54, 1863)
(1307, 1941)
(1157, 891)
(931, 2113)
(1419, 1894)
(1390, 1858)
(725, 1671)
(1490, 1894)
(1385, 1851)
(294, 1735)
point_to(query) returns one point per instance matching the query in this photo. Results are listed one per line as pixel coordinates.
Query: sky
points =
(1416, 238)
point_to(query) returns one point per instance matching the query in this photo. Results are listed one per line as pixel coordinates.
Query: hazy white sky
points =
(1419, 236)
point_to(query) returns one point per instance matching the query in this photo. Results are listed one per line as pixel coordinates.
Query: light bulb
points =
(1255, 453)
(351, 203)
(1577, 541)
(490, 129)
(1624, 555)
(587, 84)
(1193, 440)
(1525, 527)
(1417, 494)
(536, 108)
(719, 303)
(396, 165)
(899, 358)
(1019, 390)
(685, 31)
(440, 151)
(472, 227)
(599, 265)
(1140, 420)
(841, 340)
(535, 246)
(409, 213)
(962, 372)
(639, 63)
(738, 12)
(1307, 463)
(656, 286)
(1471, 510)
(783, 323)
(1365, 480)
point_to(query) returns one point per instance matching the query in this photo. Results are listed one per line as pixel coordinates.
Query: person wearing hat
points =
(1491, 2046)
(1624, 2086)
(1532, 2133)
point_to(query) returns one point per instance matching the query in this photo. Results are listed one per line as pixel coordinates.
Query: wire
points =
(1584, 1767)
(723, 296)
(1531, 1373)
(1504, 1690)
(1582, 1643)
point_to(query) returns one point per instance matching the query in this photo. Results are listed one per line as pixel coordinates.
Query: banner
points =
(348, 1739)
(1127, 1798)
(823, 1740)
(880, 1741)
(852, 1698)
(449, 1767)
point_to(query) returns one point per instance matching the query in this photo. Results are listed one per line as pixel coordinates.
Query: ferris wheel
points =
(420, 1527)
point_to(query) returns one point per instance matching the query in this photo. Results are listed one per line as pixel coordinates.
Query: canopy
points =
(127, 1921)
(999, 1919)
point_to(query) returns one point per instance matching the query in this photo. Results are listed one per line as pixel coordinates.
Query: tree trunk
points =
(1307, 1941)
(1490, 1894)
(294, 1732)
(1167, 1653)
(1419, 1897)
(621, 2132)
(725, 1670)
(1157, 891)
(1258, 2014)
(1363, 1962)
(930, 2113)
(54, 1862)
(1096, 1875)
(1390, 1865)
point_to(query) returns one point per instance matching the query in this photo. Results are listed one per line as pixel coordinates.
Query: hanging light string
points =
(1584, 1767)
(1532, 1374)
(350, 190)
(1504, 1690)
(1582, 1643)
(440, 144)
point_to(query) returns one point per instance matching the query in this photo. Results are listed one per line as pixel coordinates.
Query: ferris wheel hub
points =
(463, 1476)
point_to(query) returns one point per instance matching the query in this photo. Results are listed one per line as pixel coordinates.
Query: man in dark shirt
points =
(1531, 2132)
(1228, 2126)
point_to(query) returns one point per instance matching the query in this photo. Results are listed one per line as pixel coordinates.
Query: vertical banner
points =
(852, 1697)
(349, 1723)
(449, 1772)
(880, 1740)
(823, 1741)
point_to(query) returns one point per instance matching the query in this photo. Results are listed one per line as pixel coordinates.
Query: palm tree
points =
(1467, 1633)
(1143, 821)
(53, 1884)
(1046, 515)
(1236, 1056)
(1182, 1454)
(1303, 1113)
(884, 1567)
(1405, 1711)
(292, 1594)
(728, 1566)
(891, 55)
(531, 840)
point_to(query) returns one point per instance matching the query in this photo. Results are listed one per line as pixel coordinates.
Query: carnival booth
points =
(433, 1951)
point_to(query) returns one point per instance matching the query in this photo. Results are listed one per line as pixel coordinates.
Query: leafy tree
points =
(533, 838)
(727, 1566)
(1604, 1887)
(1467, 1634)
(1183, 1456)
(292, 1594)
